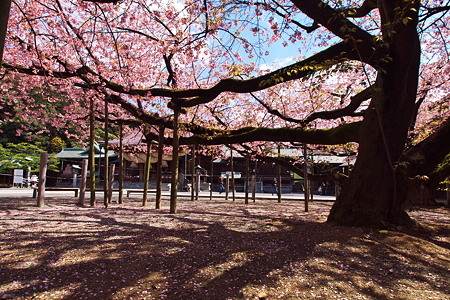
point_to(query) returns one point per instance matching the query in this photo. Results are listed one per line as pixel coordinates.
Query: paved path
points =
(265, 196)
(28, 192)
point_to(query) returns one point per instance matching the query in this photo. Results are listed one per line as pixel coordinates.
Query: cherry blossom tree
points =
(375, 76)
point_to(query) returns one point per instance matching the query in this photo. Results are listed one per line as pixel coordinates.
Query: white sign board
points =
(18, 176)
(237, 175)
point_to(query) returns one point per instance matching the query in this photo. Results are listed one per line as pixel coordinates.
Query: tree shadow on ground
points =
(209, 250)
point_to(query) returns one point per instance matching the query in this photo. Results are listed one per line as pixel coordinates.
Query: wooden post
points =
(121, 166)
(197, 183)
(233, 187)
(159, 167)
(310, 181)
(175, 145)
(193, 186)
(247, 179)
(83, 182)
(92, 152)
(279, 174)
(42, 179)
(254, 182)
(147, 173)
(305, 176)
(106, 170)
(211, 176)
(254, 187)
(227, 185)
(112, 169)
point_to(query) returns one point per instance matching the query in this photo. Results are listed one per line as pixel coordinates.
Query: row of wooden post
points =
(109, 172)
(195, 185)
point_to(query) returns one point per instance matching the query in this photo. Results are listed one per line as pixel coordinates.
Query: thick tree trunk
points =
(376, 192)
(5, 6)
(420, 191)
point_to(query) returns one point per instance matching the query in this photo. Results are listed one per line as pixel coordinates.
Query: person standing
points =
(274, 187)
(221, 187)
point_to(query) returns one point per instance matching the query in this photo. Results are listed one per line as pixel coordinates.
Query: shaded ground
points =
(214, 250)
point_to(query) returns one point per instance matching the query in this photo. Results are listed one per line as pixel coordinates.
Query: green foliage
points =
(23, 156)
(56, 144)
(30, 115)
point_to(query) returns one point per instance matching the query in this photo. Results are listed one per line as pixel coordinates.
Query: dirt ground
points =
(215, 250)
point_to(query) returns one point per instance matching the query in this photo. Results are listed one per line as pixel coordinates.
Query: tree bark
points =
(420, 191)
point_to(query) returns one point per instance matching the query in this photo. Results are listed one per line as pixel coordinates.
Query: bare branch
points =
(430, 12)
(139, 32)
(346, 111)
(276, 112)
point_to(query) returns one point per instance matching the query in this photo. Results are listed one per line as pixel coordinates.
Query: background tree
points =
(23, 156)
(35, 110)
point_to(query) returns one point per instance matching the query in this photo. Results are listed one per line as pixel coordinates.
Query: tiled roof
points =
(79, 153)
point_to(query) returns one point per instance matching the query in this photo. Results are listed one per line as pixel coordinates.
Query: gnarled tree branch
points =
(338, 135)
(320, 61)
